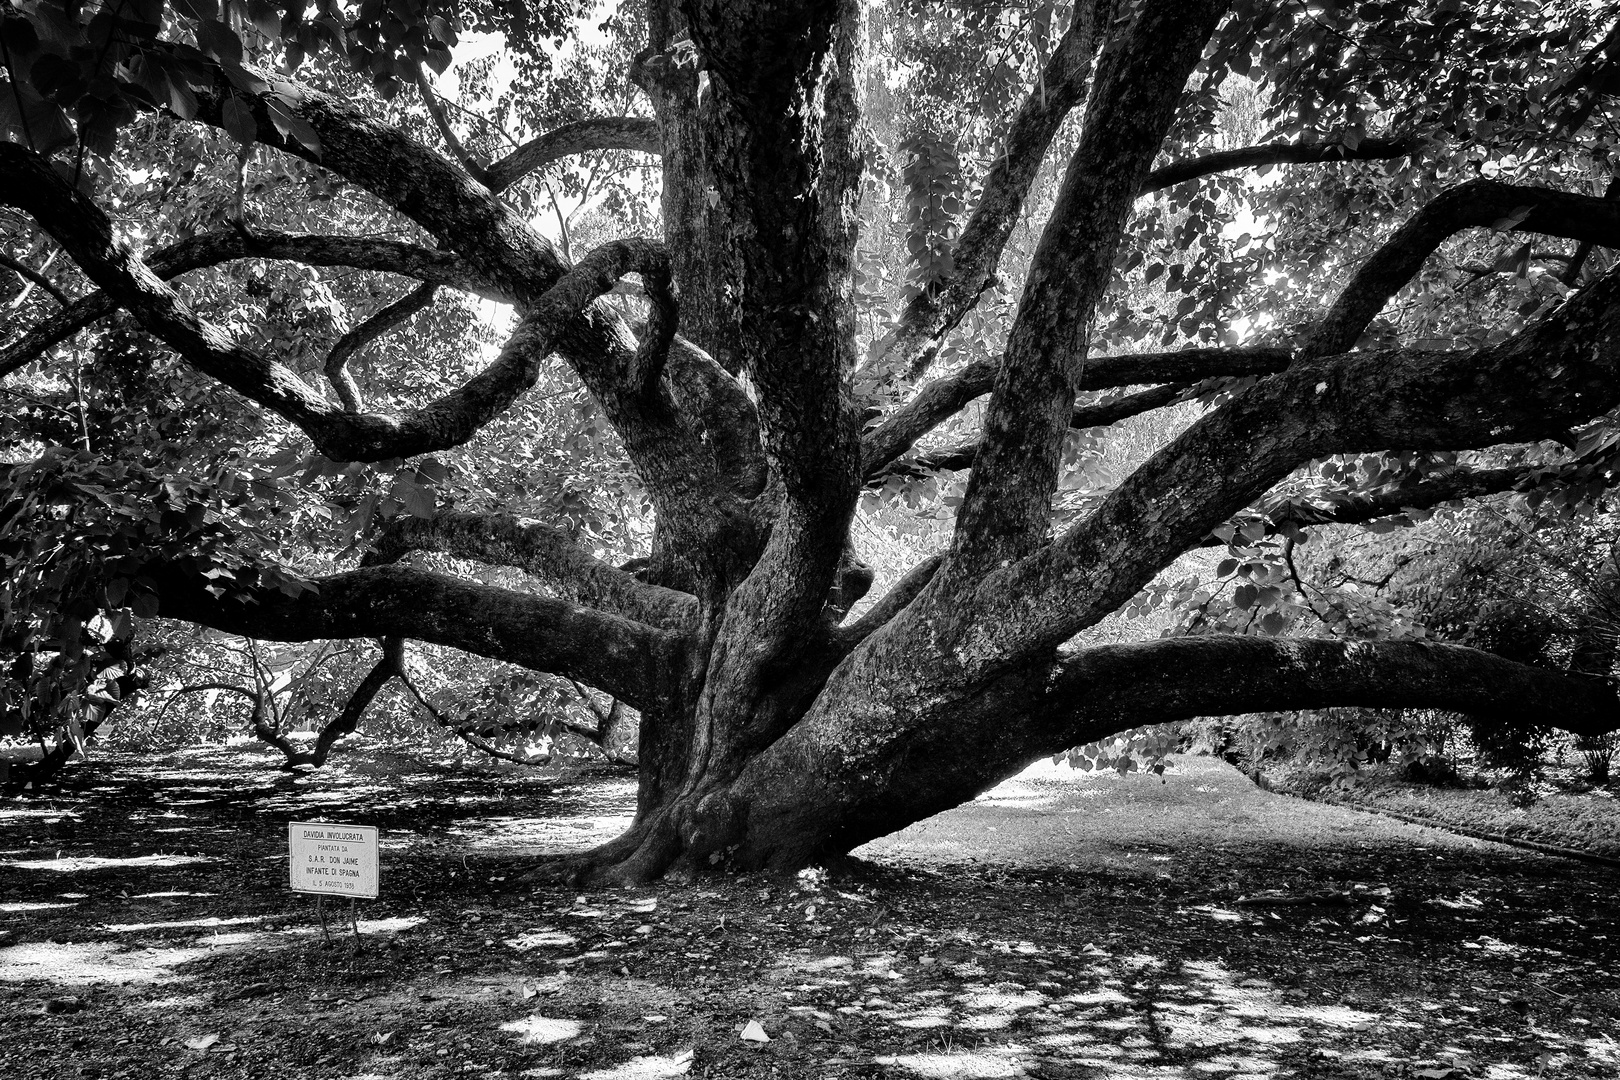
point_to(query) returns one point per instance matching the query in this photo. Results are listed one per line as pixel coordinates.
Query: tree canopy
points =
(1094, 288)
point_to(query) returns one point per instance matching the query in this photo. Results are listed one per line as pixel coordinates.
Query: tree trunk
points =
(773, 733)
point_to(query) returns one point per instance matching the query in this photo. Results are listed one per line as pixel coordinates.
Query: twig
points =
(430, 98)
(23, 270)
(462, 733)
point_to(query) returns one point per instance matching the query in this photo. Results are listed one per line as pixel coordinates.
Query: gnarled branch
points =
(28, 183)
(1561, 370)
(392, 315)
(943, 398)
(541, 551)
(669, 452)
(1475, 204)
(211, 249)
(617, 655)
(579, 137)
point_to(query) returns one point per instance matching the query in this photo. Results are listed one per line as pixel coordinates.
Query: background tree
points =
(755, 382)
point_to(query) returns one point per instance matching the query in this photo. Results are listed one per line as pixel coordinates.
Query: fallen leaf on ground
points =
(752, 1032)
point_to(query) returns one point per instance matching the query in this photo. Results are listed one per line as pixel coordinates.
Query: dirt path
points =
(1060, 926)
(1053, 816)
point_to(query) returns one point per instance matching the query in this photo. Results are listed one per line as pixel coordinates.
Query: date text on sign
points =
(332, 860)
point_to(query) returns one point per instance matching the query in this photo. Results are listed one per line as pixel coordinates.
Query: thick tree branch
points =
(579, 137)
(916, 766)
(211, 249)
(539, 550)
(900, 594)
(668, 450)
(933, 313)
(1101, 414)
(1460, 482)
(943, 398)
(1475, 204)
(1562, 370)
(617, 655)
(652, 354)
(1113, 687)
(1583, 252)
(1007, 507)
(1300, 153)
(391, 316)
(29, 184)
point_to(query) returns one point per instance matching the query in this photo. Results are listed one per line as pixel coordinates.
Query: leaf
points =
(239, 122)
(419, 501)
(1513, 220)
(752, 1032)
(293, 126)
(33, 120)
(144, 604)
(265, 18)
(58, 79)
(182, 102)
(219, 41)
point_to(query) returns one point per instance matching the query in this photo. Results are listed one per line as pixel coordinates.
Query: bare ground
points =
(1061, 926)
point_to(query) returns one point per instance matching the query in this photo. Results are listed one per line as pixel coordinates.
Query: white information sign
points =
(332, 860)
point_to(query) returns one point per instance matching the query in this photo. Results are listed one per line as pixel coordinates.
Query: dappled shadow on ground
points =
(1072, 929)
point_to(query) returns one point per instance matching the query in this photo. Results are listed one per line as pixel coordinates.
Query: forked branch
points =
(1560, 371)
(28, 273)
(211, 249)
(1059, 88)
(29, 184)
(944, 397)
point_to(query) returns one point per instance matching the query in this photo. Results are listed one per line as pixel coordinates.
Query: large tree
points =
(776, 730)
